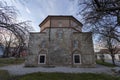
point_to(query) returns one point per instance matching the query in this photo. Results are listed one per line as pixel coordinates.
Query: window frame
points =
(44, 58)
(74, 58)
(75, 44)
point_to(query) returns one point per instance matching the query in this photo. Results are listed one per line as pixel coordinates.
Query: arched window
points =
(75, 43)
(60, 34)
(43, 44)
(42, 57)
(76, 57)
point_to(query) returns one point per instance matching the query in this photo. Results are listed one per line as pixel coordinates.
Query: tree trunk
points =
(113, 58)
(102, 58)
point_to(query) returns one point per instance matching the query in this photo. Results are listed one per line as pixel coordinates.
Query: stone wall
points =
(35, 40)
(59, 48)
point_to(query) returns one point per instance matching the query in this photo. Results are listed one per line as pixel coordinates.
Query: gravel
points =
(21, 70)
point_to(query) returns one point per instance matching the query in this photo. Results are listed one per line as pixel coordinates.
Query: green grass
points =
(4, 75)
(105, 63)
(10, 61)
(67, 76)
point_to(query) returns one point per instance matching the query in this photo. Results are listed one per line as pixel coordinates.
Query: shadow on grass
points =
(105, 63)
(67, 76)
(10, 61)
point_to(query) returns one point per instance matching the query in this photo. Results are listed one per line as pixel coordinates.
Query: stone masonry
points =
(61, 42)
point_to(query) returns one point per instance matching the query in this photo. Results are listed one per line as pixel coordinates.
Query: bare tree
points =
(102, 17)
(9, 40)
(99, 8)
(8, 15)
(109, 42)
(99, 12)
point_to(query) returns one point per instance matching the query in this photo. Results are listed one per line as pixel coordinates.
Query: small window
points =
(75, 43)
(42, 59)
(76, 58)
(60, 34)
(60, 24)
(43, 44)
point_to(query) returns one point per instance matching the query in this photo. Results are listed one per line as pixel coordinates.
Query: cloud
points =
(37, 10)
(73, 7)
(47, 7)
(27, 10)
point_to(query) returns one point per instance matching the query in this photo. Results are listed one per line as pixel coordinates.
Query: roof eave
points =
(47, 18)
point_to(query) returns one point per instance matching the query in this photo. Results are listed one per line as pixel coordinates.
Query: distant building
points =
(107, 55)
(61, 42)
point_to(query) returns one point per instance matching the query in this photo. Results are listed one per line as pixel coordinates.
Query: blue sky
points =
(37, 10)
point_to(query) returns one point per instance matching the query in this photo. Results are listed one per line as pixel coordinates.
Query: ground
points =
(19, 69)
(57, 76)
(24, 73)
(68, 76)
(11, 61)
(105, 63)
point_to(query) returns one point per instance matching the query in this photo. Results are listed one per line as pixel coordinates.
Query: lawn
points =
(67, 76)
(4, 75)
(10, 61)
(105, 63)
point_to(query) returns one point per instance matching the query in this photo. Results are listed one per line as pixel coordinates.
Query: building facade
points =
(106, 55)
(61, 42)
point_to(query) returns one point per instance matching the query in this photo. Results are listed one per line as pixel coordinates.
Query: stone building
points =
(61, 42)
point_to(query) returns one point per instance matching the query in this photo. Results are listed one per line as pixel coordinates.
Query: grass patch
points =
(4, 75)
(105, 63)
(67, 76)
(10, 61)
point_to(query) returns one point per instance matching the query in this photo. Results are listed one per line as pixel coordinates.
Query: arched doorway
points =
(76, 57)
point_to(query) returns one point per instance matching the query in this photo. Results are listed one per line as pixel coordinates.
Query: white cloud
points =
(73, 7)
(27, 9)
(37, 10)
